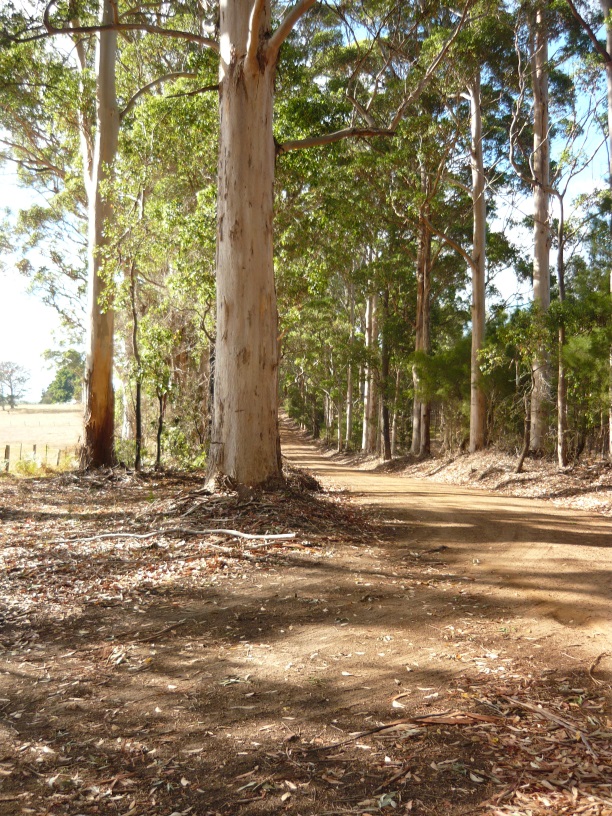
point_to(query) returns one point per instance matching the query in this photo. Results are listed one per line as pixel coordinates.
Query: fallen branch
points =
(444, 718)
(182, 531)
(594, 665)
(548, 715)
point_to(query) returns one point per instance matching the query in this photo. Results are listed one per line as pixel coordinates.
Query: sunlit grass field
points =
(52, 428)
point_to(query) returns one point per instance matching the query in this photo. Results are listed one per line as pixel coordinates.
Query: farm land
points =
(52, 428)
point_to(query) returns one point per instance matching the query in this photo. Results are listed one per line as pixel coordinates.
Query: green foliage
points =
(67, 383)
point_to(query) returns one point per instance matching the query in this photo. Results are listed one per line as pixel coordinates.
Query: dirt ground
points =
(415, 648)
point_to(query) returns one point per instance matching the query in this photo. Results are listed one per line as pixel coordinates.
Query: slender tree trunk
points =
(245, 442)
(370, 394)
(541, 170)
(161, 402)
(425, 424)
(477, 396)
(420, 443)
(384, 375)
(136, 353)
(561, 380)
(415, 447)
(395, 412)
(349, 373)
(98, 446)
(606, 7)
(527, 435)
(349, 405)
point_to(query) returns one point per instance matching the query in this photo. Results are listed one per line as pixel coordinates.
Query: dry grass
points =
(50, 427)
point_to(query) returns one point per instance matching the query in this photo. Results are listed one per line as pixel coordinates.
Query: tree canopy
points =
(324, 207)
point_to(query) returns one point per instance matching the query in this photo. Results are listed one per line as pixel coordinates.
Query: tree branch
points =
(452, 243)
(149, 87)
(203, 89)
(250, 61)
(330, 138)
(425, 80)
(365, 114)
(51, 29)
(181, 531)
(591, 35)
(287, 25)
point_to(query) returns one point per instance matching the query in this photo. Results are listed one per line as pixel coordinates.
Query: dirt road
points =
(153, 663)
(543, 574)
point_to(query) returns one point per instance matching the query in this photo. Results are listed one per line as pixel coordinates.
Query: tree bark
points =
(137, 361)
(349, 374)
(384, 375)
(245, 440)
(606, 7)
(477, 396)
(561, 379)
(420, 443)
(541, 253)
(161, 405)
(370, 401)
(395, 412)
(527, 435)
(98, 446)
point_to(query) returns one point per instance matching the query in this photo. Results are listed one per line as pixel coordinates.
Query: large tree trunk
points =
(541, 234)
(98, 446)
(245, 441)
(477, 396)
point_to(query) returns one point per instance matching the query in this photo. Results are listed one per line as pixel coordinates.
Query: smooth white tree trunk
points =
(370, 402)
(541, 229)
(245, 439)
(477, 396)
(420, 408)
(349, 373)
(98, 448)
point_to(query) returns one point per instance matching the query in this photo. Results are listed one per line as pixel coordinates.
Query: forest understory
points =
(415, 648)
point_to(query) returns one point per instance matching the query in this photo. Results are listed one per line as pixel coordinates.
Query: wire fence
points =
(36, 454)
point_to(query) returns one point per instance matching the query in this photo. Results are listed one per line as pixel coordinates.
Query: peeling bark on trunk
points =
(245, 441)
(99, 421)
(541, 252)
(477, 396)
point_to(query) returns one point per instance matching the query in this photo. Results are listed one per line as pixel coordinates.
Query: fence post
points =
(34, 452)
(59, 453)
(7, 456)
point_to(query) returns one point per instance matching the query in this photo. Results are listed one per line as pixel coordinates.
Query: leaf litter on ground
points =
(102, 699)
